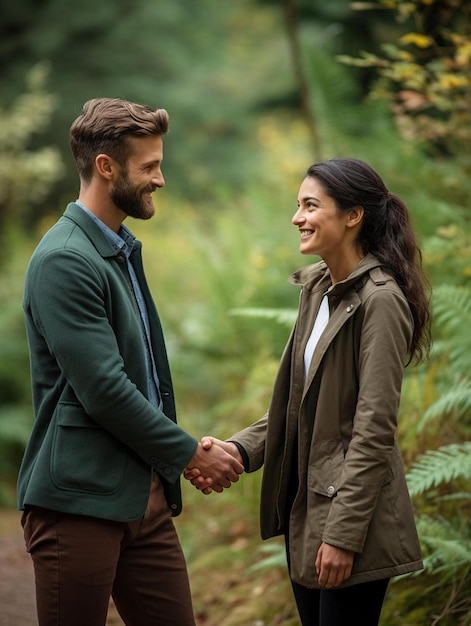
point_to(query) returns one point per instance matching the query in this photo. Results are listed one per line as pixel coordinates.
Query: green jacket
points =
(95, 437)
(338, 430)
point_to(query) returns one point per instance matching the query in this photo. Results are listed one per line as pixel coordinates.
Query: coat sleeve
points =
(252, 440)
(384, 342)
(66, 301)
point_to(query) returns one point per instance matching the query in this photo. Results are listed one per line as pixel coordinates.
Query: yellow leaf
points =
(417, 39)
(452, 81)
(463, 54)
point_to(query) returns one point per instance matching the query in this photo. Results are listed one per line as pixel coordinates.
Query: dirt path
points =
(17, 602)
(16, 575)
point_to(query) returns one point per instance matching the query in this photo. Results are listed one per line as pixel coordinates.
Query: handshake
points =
(215, 465)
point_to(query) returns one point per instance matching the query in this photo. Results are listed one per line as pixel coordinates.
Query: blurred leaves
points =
(26, 174)
(221, 247)
(426, 73)
(440, 466)
(194, 59)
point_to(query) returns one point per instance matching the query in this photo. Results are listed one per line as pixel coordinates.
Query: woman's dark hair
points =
(386, 233)
(104, 126)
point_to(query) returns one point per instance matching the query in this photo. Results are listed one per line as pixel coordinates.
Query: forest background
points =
(256, 91)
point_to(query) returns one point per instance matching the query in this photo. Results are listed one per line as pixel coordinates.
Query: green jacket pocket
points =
(85, 457)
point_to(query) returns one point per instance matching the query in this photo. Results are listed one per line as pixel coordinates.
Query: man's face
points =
(141, 176)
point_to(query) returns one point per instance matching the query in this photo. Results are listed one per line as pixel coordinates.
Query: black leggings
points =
(358, 604)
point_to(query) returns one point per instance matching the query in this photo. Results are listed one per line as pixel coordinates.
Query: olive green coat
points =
(95, 437)
(343, 418)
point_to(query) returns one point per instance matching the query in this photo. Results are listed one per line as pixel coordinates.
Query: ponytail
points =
(386, 233)
(399, 253)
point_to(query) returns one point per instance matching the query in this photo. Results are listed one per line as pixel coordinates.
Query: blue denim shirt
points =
(124, 241)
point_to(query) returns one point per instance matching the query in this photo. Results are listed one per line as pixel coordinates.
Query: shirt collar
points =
(123, 240)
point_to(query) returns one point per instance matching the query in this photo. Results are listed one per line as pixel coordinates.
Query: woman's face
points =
(322, 227)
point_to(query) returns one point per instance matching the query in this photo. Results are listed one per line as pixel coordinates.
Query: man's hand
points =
(213, 467)
(201, 480)
(333, 565)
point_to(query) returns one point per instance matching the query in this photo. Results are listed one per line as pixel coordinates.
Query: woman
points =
(333, 481)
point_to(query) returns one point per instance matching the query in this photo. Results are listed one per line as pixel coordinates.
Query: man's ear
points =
(106, 166)
(355, 216)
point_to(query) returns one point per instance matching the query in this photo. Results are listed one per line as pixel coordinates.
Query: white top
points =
(318, 328)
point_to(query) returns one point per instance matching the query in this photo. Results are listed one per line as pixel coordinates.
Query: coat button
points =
(330, 490)
(349, 308)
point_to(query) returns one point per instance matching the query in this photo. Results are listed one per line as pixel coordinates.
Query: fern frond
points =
(456, 402)
(446, 543)
(447, 555)
(452, 313)
(452, 309)
(458, 495)
(282, 316)
(277, 558)
(440, 466)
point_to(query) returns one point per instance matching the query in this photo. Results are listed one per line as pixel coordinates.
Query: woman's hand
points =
(206, 485)
(333, 565)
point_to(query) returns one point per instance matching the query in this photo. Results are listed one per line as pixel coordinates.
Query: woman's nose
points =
(298, 218)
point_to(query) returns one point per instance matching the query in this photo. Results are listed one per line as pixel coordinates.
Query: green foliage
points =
(276, 557)
(15, 426)
(15, 402)
(455, 403)
(447, 562)
(26, 174)
(452, 309)
(439, 479)
(451, 353)
(194, 59)
(282, 316)
(425, 73)
(448, 546)
(21, 171)
(221, 247)
(440, 466)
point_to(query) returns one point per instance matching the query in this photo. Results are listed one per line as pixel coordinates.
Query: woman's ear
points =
(355, 216)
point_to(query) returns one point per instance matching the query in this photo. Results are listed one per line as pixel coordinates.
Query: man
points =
(99, 481)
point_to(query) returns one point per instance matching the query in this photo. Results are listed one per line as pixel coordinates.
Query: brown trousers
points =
(80, 561)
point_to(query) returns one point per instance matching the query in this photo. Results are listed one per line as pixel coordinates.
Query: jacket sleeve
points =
(252, 441)
(384, 342)
(67, 295)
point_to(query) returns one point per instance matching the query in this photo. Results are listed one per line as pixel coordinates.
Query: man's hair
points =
(104, 127)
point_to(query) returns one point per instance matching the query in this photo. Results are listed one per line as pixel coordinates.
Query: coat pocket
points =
(85, 457)
(325, 467)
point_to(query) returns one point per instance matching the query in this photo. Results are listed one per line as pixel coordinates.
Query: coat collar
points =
(317, 276)
(93, 231)
(315, 281)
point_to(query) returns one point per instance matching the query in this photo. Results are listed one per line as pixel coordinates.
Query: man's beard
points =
(131, 199)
